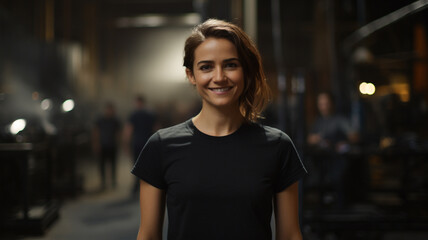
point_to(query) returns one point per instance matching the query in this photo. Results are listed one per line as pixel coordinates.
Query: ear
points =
(190, 76)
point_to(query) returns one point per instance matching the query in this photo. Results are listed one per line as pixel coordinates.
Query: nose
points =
(219, 75)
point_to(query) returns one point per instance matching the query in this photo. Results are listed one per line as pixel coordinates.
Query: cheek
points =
(202, 79)
(240, 80)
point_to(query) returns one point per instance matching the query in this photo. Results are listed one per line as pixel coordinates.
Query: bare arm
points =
(152, 209)
(287, 214)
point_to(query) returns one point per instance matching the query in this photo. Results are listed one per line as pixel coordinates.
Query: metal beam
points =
(382, 22)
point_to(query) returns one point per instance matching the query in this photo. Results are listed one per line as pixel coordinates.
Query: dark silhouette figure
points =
(106, 134)
(140, 126)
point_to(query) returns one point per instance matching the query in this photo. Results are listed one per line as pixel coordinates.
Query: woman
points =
(219, 171)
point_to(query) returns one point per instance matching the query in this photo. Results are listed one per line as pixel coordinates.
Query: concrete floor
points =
(112, 214)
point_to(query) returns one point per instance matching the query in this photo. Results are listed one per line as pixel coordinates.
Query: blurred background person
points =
(140, 126)
(330, 130)
(330, 136)
(106, 135)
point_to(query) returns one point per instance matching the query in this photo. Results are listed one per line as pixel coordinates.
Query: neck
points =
(218, 122)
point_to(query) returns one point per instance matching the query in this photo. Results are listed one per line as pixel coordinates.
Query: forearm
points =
(144, 236)
(152, 207)
(286, 214)
(294, 237)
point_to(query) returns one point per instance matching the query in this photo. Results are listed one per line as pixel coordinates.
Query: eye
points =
(205, 67)
(231, 65)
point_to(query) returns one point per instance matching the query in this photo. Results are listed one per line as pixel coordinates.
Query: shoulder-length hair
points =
(256, 94)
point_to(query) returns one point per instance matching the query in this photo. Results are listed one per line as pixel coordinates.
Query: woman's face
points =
(217, 73)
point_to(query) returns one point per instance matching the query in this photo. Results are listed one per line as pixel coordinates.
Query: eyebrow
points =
(226, 60)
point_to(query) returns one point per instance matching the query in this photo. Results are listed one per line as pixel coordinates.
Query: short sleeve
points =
(292, 168)
(148, 166)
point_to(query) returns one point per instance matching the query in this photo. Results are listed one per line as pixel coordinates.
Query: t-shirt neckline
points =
(196, 132)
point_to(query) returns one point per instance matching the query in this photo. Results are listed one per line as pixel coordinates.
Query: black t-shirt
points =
(219, 187)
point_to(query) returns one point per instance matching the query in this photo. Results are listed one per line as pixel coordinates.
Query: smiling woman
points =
(220, 171)
(217, 75)
(256, 91)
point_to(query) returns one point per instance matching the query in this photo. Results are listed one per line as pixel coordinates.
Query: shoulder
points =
(141, 114)
(270, 134)
(175, 133)
(146, 113)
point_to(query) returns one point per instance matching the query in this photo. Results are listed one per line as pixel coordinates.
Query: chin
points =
(225, 104)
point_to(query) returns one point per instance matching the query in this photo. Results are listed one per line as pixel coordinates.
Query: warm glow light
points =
(46, 104)
(17, 126)
(363, 87)
(164, 54)
(367, 88)
(192, 19)
(68, 105)
(370, 89)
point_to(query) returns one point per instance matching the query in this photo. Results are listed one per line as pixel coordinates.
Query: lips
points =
(220, 90)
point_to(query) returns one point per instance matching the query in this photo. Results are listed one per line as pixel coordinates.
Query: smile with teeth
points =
(220, 90)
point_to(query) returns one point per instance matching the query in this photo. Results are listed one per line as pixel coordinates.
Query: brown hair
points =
(256, 92)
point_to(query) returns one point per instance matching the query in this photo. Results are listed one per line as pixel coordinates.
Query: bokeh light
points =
(17, 126)
(68, 105)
